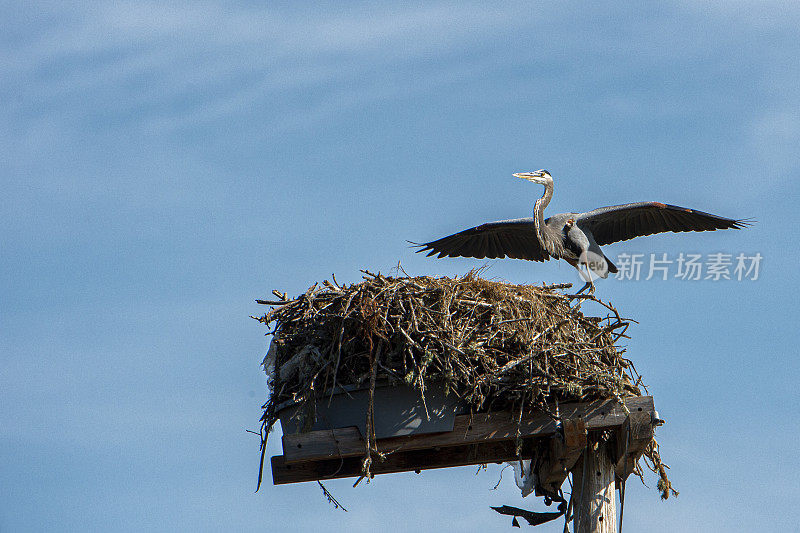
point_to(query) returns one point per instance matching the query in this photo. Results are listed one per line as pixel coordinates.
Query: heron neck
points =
(538, 212)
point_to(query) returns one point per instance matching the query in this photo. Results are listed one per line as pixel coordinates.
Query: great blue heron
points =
(574, 237)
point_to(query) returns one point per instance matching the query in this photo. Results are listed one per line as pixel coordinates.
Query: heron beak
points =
(535, 177)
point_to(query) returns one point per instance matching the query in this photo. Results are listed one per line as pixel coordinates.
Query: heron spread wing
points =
(623, 222)
(506, 238)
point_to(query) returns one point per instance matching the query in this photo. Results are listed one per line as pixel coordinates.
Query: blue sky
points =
(163, 164)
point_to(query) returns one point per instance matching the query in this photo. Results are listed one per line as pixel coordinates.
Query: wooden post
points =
(594, 497)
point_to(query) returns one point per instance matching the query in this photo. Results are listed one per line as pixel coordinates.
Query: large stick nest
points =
(493, 345)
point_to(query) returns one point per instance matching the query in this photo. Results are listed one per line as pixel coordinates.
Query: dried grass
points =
(496, 346)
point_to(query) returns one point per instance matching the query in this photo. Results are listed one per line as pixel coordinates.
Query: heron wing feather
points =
(623, 222)
(506, 238)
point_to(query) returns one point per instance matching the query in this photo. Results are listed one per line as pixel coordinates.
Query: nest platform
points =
(477, 371)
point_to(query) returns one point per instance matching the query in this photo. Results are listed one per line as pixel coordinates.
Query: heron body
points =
(574, 237)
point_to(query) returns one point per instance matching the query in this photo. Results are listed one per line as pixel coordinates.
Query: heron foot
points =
(589, 285)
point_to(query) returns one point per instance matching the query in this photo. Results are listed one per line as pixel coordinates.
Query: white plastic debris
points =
(269, 360)
(295, 364)
(523, 476)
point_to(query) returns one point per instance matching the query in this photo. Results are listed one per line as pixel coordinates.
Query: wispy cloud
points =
(157, 53)
(150, 68)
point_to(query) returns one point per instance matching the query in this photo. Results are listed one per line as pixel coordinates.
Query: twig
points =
(331, 499)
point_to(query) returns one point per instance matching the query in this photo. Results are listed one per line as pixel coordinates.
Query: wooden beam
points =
(325, 444)
(475, 429)
(484, 438)
(632, 438)
(560, 456)
(406, 461)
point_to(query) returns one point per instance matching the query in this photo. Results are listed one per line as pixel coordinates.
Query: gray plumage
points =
(571, 236)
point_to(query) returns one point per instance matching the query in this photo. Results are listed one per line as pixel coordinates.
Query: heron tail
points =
(612, 268)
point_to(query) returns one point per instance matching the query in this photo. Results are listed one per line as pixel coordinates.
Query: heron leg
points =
(590, 283)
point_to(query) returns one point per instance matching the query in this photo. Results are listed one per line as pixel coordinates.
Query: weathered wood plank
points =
(561, 455)
(574, 432)
(327, 444)
(404, 461)
(479, 428)
(632, 438)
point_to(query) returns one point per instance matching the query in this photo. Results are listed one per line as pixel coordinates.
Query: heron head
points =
(542, 177)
